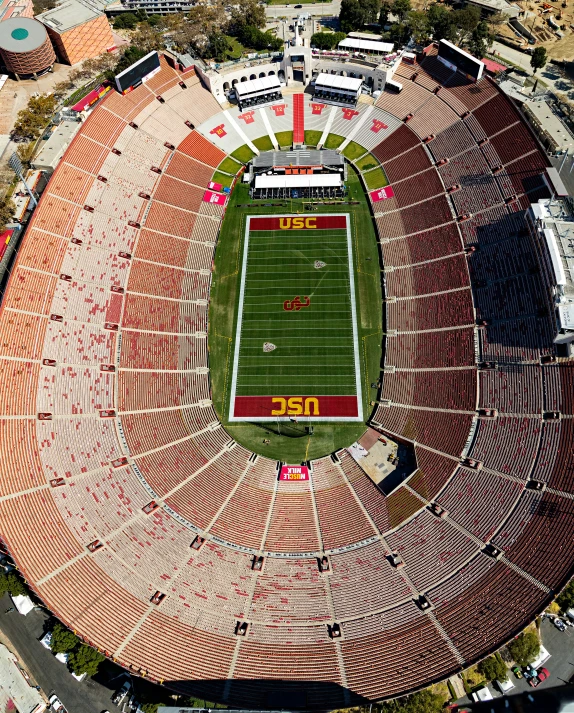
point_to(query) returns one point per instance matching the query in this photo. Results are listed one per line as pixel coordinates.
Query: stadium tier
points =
(179, 553)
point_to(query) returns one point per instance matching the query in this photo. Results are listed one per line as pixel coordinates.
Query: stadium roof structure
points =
(257, 85)
(143, 525)
(306, 181)
(353, 43)
(336, 81)
(310, 157)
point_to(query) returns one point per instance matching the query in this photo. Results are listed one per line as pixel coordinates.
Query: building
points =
(15, 688)
(78, 31)
(158, 7)
(54, 148)
(334, 89)
(25, 47)
(551, 226)
(494, 7)
(550, 129)
(362, 46)
(258, 92)
(15, 8)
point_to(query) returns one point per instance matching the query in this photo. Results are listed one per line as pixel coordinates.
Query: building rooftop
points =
(14, 685)
(365, 45)
(558, 226)
(505, 8)
(351, 84)
(550, 124)
(68, 15)
(21, 34)
(55, 146)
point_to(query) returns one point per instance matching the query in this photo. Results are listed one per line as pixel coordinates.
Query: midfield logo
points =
(296, 304)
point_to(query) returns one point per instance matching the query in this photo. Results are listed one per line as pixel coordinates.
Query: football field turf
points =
(296, 350)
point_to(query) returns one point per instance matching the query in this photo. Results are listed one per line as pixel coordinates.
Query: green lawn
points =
(327, 437)
(284, 138)
(366, 162)
(375, 178)
(353, 150)
(222, 178)
(228, 165)
(333, 141)
(243, 154)
(312, 137)
(263, 143)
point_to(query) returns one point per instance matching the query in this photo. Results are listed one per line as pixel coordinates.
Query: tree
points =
(480, 40)
(85, 660)
(401, 8)
(525, 648)
(566, 600)
(125, 21)
(466, 21)
(384, 13)
(147, 38)
(7, 210)
(9, 581)
(130, 55)
(63, 640)
(218, 46)
(327, 40)
(40, 6)
(418, 26)
(440, 21)
(538, 59)
(493, 668)
(370, 10)
(399, 34)
(422, 702)
(32, 120)
(351, 16)
(248, 12)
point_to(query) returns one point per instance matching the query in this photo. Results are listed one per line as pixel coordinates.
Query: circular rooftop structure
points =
(25, 46)
(147, 528)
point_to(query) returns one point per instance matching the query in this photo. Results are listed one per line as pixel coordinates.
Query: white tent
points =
(23, 604)
(318, 180)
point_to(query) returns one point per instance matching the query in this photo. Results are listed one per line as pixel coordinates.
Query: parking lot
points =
(560, 646)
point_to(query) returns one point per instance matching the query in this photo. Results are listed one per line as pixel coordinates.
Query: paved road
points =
(560, 645)
(320, 9)
(52, 676)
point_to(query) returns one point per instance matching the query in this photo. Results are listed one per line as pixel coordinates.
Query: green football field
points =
(296, 351)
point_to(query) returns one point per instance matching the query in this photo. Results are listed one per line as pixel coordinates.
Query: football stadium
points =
(288, 414)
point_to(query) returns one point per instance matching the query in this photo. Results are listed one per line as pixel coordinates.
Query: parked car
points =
(543, 674)
(559, 624)
(56, 704)
(121, 694)
(517, 671)
(46, 640)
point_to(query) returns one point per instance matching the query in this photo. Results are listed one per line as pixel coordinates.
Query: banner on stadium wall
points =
(296, 222)
(214, 186)
(294, 472)
(381, 194)
(210, 197)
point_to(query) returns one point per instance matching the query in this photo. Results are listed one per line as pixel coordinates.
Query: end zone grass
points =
(327, 437)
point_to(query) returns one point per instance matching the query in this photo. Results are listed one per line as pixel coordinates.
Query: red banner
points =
(210, 197)
(214, 186)
(381, 194)
(296, 222)
(294, 472)
(294, 407)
